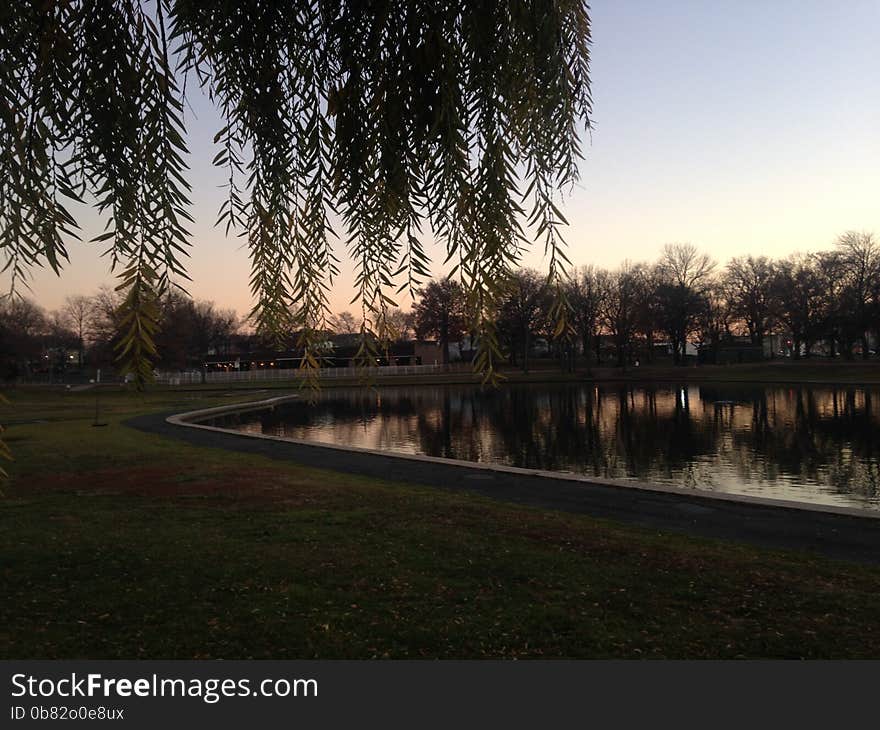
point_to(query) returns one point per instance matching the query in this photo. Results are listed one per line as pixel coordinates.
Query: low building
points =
(730, 352)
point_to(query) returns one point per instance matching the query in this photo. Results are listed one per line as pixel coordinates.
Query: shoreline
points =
(848, 374)
(840, 533)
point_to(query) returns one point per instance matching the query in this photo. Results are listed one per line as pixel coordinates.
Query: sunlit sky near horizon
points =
(744, 128)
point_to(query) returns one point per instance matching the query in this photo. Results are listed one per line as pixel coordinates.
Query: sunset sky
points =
(748, 127)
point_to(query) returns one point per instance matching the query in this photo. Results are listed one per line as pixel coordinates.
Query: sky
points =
(743, 128)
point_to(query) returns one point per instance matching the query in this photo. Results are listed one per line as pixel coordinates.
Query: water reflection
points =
(804, 443)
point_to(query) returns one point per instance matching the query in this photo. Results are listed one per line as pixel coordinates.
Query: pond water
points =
(813, 444)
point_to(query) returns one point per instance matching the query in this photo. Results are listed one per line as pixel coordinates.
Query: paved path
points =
(844, 537)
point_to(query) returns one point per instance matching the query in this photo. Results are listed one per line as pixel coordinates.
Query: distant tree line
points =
(830, 298)
(826, 302)
(84, 332)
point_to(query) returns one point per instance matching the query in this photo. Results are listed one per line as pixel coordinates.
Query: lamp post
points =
(96, 422)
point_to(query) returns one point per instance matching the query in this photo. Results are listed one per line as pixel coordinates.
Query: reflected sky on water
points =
(816, 444)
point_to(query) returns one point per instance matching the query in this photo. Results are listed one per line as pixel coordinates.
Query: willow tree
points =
(398, 119)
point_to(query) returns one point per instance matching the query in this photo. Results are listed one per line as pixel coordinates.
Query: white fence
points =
(248, 376)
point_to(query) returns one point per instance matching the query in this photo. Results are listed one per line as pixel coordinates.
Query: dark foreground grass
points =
(117, 544)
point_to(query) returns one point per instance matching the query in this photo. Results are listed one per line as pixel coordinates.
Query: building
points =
(730, 352)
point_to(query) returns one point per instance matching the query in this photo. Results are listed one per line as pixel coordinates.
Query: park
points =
(121, 543)
(445, 330)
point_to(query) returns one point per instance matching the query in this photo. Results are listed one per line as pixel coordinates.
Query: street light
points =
(96, 422)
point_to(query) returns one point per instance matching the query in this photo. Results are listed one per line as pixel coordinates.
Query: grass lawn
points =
(117, 544)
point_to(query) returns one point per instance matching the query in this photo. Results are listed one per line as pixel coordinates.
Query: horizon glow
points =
(748, 129)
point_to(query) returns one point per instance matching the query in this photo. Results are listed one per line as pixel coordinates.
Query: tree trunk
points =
(678, 349)
(444, 340)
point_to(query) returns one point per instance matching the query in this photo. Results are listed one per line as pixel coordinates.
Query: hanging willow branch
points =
(5, 454)
(457, 119)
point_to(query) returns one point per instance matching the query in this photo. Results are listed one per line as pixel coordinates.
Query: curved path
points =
(838, 533)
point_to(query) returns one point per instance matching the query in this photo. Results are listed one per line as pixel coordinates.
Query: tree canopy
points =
(456, 119)
(440, 313)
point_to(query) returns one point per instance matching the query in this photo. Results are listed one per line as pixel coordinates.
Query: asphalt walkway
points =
(845, 537)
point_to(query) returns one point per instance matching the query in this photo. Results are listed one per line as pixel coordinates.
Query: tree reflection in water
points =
(807, 443)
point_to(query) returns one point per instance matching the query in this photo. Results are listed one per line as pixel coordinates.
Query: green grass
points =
(117, 544)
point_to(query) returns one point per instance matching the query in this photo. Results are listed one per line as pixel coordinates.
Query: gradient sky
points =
(747, 127)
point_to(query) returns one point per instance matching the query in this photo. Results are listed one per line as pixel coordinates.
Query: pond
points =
(803, 443)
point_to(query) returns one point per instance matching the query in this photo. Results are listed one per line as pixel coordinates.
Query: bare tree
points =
(713, 321)
(683, 275)
(620, 308)
(399, 325)
(103, 325)
(345, 323)
(525, 303)
(798, 301)
(191, 329)
(77, 312)
(585, 292)
(22, 327)
(683, 265)
(836, 324)
(860, 267)
(649, 306)
(749, 284)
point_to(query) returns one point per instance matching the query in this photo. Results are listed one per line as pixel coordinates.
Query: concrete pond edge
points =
(190, 419)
